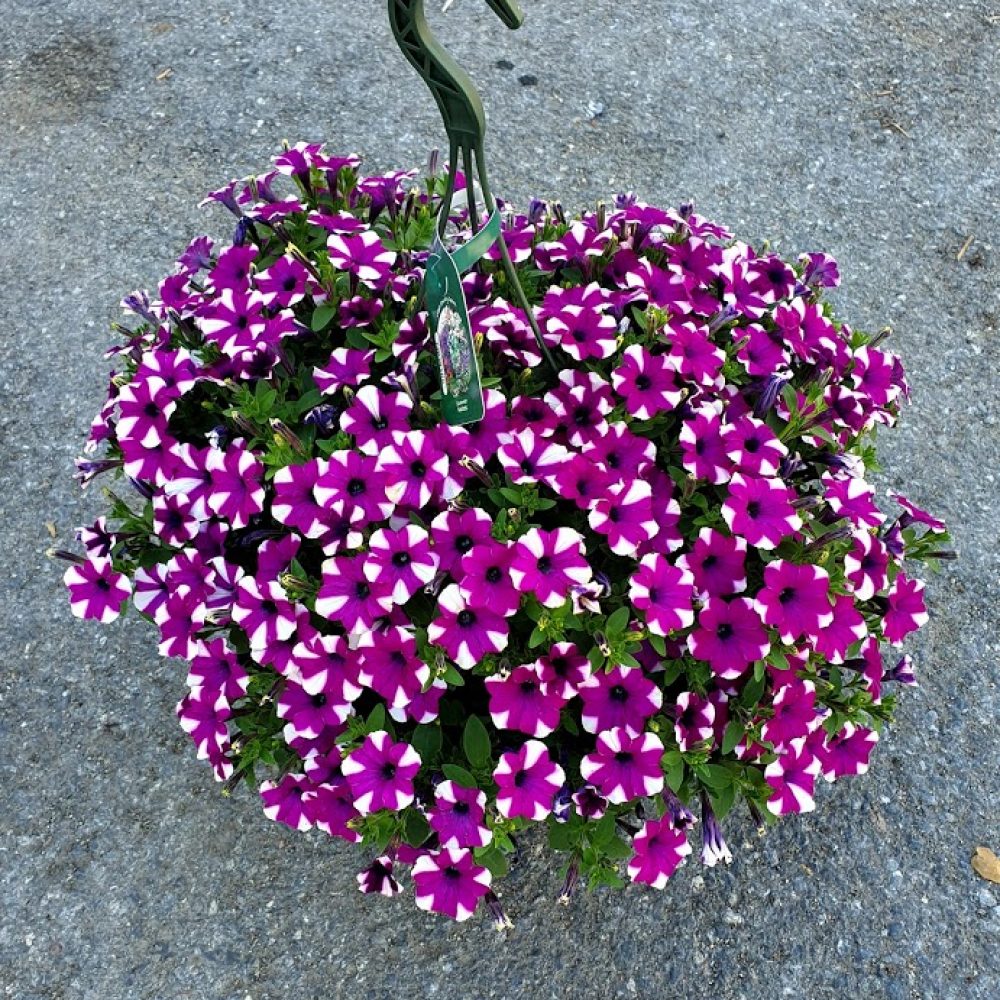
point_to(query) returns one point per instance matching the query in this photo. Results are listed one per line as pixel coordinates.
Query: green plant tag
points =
(448, 319)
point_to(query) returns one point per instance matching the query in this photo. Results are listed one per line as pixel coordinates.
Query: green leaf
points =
(714, 775)
(426, 740)
(616, 849)
(376, 720)
(562, 837)
(602, 832)
(722, 800)
(415, 828)
(658, 643)
(459, 775)
(674, 775)
(734, 733)
(476, 743)
(452, 677)
(750, 695)
(618, 622)
(322, 316)
(493, 859)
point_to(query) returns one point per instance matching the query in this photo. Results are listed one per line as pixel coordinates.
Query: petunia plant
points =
(652, 583)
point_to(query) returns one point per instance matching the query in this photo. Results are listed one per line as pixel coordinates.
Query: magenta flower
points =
(753, 447)
(851, 497)
(795, 600)
(363, 255)
(485, 580)
(263, 611)
(549, 564)
(664, 594)
(97, 590)
(458, 816)
(374, 417)
(915, 515)
(377, 878)
(694, 721)
(465, 633)
(625, 766)
(626, 516)
(794, 713)
(564, 670)
(576, 246)
(237, 490)
(400, 561)
(347, 367)
(350, 481)
(717, 563)
(283, 284)
(792, 777)
(331, 806)
(589, 802)
(380, 773)
(660, 848)
(703, 453)
(216, 667)
(696, 358)
(866, 565)
(459, 534)
(647, 382)
(523, 703)
(847, 751)
(907, 611)
(414, 468)
(847, 628)
(582, 332)
(346, 595)
(389, 665)
(450, 882)
(294, 503)
(621, 697)
(583, 481)
(761, 511)
(309, 714)
(284, 801)
(729, 637)
(713, 845)
(527, 458)
(527, 782)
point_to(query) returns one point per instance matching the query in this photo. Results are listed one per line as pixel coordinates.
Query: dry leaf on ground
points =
(986, 864)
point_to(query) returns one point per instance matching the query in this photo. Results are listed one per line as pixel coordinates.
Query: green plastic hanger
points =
(464, 121)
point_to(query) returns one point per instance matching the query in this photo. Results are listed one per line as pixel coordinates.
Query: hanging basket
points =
(648, 582)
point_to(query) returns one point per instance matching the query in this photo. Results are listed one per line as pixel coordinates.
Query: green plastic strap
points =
(448, 317)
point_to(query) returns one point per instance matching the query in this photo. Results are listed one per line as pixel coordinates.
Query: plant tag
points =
(448, 320)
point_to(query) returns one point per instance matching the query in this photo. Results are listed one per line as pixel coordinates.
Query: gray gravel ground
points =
(867, 129)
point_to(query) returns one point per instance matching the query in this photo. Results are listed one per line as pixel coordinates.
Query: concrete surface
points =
(867, 129)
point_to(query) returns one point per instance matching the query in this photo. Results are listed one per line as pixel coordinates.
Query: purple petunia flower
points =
(847, 628)
(622, 697)
(457, 535)
(485, 580)
(527, 458)
(363, 255)
(374, 417)
(465, 633)
(377, 878)
(717, 563)
(350, 481)
(401, 561)
(694, 720)
(866, 565)
(761, 511)
(847, 751)
(308, 714)
(414, 468)
(549, 564)
(664, 594)
(729, 637)
(389, 665)
(795, 599)
(96, 589)
(753, 448)
(450, 882)
(283, 284)
(346, 595)
(703, 453)
(523, 703)
(660, 848)
(564, 670)
(458, 816)
(527, 782)
(237, 487)
(713, 845)
(589, 802)
(853, 498)
(263, 611)
(284, 801)
(915, 514)
(347, 367)
(626, 516)
(647, 382)
(792, 777)
(907, 611)
(380, 773)
(582, 332)
(294, 503)
(331, 804)
(625, 766)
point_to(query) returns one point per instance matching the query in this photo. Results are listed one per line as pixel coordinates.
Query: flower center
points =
(528, 687)
(460, 808)
(753, 508)
(319, 700)
(624, 757)
(362, 589)
(401, 559)
(520, 778)
(642, 382)
(618, 693)
(493, 574)
(418, 468)
(356, 487)
(544, 565)
(463, 543)
(787, 595)
(724, 631)
(388, 771)
(465, 618)
(751, 445)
